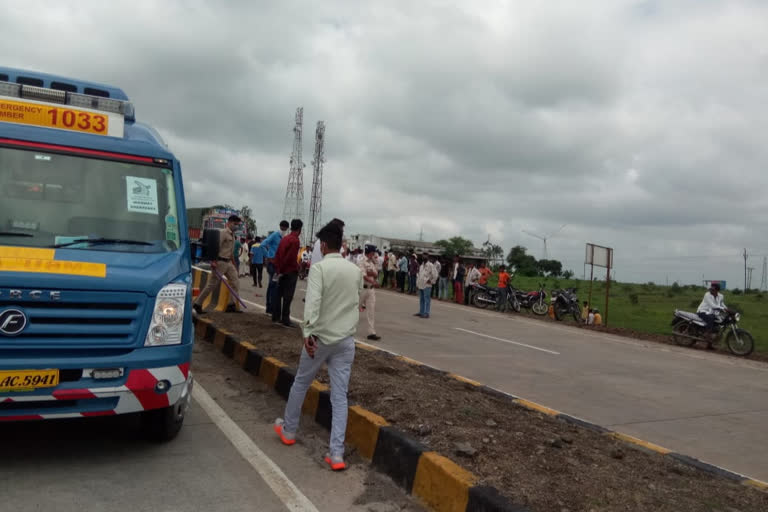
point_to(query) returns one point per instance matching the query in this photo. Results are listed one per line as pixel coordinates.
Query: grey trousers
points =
(339, 358)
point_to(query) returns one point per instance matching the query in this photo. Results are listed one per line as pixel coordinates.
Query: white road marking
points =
(639, 344)
(507, 341)
(285, 490)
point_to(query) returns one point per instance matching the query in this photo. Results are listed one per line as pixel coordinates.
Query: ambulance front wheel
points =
(163, 425)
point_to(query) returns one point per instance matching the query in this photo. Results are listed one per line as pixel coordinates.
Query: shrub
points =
(634, 299)
(675, 288)
(736, 291)
(671, 293)
(759, 296)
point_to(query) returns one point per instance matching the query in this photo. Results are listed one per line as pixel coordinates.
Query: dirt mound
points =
(530, 457)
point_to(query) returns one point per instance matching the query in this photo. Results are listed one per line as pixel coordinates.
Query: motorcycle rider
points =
(711, 304)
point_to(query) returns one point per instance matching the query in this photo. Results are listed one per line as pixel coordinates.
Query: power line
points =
(745, 270)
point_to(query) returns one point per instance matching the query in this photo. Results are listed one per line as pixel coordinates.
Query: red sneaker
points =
(336, 462)
(286, 438)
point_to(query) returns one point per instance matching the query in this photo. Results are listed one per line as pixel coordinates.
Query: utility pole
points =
(745, 271)
(764, 279)
(749, 277)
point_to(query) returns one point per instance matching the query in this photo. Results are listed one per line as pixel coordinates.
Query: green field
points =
(655, 304)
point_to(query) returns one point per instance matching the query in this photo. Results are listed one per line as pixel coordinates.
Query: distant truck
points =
(201, 219)
(95, 274)
(208, 218)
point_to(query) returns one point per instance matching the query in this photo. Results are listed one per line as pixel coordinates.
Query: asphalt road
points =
(101, 464)
(704, 405)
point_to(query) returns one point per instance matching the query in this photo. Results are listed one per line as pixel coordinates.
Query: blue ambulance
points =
(95, 270)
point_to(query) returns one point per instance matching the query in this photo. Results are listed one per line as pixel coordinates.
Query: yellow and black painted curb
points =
(220, 297)
(439, 482)
(436, 480)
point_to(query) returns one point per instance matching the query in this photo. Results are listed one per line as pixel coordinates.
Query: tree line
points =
(524, 264)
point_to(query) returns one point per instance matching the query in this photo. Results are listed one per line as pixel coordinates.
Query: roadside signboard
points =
(602, 257)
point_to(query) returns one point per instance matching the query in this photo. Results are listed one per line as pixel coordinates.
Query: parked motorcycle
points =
(535, 300)
(483, 296)
(566, 302)
(688, 328)
(303, 270)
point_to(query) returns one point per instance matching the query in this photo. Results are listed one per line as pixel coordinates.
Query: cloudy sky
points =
(640, 125)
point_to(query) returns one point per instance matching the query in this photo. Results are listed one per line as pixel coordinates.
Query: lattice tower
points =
(294, 195)
(316, 202)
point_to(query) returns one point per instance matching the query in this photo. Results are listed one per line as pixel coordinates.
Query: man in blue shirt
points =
(269, 246)
(257, 261)
(402, 272)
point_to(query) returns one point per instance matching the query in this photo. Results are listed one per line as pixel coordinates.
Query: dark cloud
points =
(639, 124)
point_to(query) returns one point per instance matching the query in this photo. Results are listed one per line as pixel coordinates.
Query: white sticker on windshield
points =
(142, 194)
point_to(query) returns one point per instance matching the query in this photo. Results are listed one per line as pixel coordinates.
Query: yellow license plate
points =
(14, 380)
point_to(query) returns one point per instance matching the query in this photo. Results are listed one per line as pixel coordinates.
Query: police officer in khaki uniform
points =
(225, 266)
(368, 295)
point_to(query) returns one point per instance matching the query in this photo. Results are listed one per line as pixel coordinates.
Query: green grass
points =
(656, 304)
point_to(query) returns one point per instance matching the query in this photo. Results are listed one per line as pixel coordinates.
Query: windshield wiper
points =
(101, 241)
(12, 233)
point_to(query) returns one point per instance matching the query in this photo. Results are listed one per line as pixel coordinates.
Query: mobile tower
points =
(294, 195)
(316, 202)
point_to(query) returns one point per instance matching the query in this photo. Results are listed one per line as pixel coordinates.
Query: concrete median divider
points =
(437, 481)
(220, 298)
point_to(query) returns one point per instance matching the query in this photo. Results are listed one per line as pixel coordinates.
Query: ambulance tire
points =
(163, 425)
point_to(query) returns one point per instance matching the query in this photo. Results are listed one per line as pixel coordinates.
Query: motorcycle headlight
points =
(737, 316)
(166, 326)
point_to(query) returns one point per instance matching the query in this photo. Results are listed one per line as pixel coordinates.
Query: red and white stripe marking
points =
(137, 394)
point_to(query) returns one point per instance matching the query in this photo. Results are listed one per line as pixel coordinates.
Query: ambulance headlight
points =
(167, 325)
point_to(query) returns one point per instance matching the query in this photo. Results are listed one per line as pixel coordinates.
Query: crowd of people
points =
(341, 283)
(428, 276)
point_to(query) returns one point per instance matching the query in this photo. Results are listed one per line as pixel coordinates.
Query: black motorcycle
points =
(566, 302)
(483, 296)
(303, 270)
(688, 328)
(536, 301)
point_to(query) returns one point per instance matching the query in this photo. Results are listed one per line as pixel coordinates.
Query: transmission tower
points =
(316, 203)
(764, 279)
(294, 196)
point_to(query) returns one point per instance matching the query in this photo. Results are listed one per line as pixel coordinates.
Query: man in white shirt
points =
(391, 270)
(330, 322)
(425, 279)
(710, 305)
(473, 276)
(438, 266)
(379, 264)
